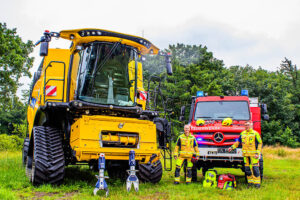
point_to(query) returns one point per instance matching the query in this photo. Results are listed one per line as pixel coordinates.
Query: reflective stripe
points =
(250, 181)
(184, 152)
(177, 179)
(251, 151)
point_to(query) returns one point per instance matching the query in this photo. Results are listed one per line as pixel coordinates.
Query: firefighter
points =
(251, 148)
(185, 148)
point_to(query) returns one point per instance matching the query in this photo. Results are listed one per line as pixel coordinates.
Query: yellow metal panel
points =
(75, 65)
(79, 40)
(86, 134)
(56, 71)
(131, 73)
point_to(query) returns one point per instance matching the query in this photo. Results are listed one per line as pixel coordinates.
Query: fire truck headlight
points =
(199, 139)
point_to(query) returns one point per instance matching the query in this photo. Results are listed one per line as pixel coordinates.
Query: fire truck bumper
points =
(220, 153)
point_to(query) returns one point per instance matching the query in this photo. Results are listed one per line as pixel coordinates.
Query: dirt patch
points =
(41, 195)
(157, 195)
(280, 152)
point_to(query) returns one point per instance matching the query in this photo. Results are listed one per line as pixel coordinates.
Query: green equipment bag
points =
(210, 178)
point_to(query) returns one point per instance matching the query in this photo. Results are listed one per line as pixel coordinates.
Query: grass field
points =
(282, 181)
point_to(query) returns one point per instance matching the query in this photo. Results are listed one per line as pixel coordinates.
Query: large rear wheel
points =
(47, 162)
(150, 172)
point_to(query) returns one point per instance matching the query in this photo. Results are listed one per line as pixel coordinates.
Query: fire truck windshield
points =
(238, 110)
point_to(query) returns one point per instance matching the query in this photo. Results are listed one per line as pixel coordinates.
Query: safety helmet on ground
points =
(227, 122)
(200, 122)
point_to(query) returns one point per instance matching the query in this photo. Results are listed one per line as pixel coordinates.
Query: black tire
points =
(25, 151)
(261, 168)
(150, 172)
(48, 162)
(204, 170)
(194, 173)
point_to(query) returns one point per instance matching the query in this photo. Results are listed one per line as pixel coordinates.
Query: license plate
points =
(212, 152)
(222, 150)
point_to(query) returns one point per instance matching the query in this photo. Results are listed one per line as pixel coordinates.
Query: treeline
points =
(196, 69)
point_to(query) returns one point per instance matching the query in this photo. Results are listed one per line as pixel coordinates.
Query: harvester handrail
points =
(63, 80)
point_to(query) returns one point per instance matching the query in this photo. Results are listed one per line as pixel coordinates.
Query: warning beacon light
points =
(200, 94)
(244, 92)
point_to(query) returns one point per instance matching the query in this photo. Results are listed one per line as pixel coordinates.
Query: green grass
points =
(282, 181)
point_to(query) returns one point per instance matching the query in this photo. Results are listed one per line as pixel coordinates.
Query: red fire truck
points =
(214, 139)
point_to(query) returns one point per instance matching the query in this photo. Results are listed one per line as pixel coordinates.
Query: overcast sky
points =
(239, 32)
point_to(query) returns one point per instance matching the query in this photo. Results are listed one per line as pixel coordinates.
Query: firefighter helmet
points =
(200, 122)
(227, 122)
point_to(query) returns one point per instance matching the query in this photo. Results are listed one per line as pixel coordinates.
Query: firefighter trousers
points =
(179, 163)
(252, 170)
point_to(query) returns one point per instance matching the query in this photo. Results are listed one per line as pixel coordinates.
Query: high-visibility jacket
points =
(251, 143)
(186, 146)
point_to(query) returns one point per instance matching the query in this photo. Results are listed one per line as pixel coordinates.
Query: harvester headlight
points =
(80, 104)
(49, 104)
(87, 112)
(72, 36)
(99, 33)
(93, 33)
(75, 103)
(87, 33)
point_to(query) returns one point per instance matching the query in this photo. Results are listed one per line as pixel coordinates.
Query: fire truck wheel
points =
(25, 151)
(48, 162)
(204, 170)
(194, 173)
(150, 172)
(261, 167)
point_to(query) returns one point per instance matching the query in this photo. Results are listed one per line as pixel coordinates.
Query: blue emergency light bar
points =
(200, 94)
(244, 92)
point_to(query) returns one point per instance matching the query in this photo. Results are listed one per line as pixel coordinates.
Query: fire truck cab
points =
(214, 139)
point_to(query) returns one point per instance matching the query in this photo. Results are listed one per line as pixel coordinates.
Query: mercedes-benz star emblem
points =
(218, 137)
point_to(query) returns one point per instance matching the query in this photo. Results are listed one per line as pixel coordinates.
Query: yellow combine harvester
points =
(88, 100)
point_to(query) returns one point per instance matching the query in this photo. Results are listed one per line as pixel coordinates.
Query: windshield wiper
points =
(107, 56)
(202, 117)
(224, 116)
(100, 66)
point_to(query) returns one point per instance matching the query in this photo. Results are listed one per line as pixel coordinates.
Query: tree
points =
(14, 63)
(14, 60)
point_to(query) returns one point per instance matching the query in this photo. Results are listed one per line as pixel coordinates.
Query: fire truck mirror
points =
(182, 111)
(264, 109)
(181, 118)
(266, 117)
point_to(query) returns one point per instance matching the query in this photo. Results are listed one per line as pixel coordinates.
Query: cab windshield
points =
(238, 110)
(107, 74)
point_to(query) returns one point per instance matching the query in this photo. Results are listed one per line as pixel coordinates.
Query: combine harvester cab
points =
(90, 100)
(213, 138)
